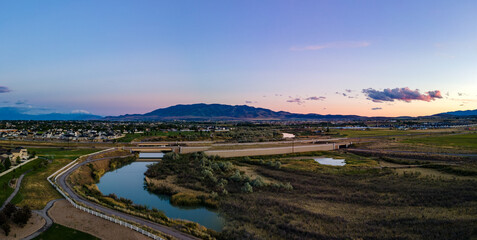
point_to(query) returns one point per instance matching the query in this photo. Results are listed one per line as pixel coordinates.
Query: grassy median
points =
(35, 190)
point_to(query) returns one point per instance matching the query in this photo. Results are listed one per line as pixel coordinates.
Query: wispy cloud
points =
(4, 89)
(299, 100)
(347, 94)
(400, 94)
(376, 108)
(250, 102)
(296, 100)
(20, 102)
(338, 45)
(315, 98)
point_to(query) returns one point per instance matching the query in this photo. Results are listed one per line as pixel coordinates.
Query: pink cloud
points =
(401, 94)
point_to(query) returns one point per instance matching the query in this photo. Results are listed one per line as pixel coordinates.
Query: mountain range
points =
(466, 113)
(14, 113)
(201, 112)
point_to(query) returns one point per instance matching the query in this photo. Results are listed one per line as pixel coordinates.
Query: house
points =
(20, 152)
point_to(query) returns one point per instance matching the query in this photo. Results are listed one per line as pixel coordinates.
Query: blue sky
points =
(116, 57)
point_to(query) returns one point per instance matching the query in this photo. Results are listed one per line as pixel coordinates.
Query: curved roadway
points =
(111, 212)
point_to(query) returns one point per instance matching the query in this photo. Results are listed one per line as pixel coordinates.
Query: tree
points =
(3, 218)
(22, 216)
(8, 164)
(9, 210)
(18, 160)
(6, 228)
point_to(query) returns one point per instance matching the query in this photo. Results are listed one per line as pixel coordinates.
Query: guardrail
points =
(90, 211)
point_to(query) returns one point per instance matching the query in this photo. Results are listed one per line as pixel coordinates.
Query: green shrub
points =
(247, 188)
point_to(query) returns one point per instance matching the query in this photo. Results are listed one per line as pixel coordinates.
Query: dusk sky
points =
(372, 58)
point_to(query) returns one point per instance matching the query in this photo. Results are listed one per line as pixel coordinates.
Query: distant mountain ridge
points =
(465, 113)
(13, 113)
(202, 111)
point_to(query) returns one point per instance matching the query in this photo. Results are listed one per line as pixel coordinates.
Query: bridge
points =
(246, 149)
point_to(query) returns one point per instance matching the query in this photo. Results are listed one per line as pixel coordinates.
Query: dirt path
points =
(48, 221)
(65, 214)
(17, 188)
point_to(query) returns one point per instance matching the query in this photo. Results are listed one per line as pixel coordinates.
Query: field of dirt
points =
(63, 213)
(35, 223)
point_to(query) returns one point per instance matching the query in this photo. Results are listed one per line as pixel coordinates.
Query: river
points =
(128, 182)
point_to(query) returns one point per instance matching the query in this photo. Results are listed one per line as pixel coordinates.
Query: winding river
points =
(128, 182)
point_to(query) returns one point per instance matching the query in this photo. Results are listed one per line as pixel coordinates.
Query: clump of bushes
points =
(116, 163)
(208, 174)
(19, 216)
(247, 188)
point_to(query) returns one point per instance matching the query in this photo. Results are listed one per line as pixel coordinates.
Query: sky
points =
(370, 58)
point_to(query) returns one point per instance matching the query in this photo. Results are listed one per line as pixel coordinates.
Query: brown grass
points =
(63, 213)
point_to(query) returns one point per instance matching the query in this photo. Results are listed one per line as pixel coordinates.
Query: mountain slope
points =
(13, 113)
(205, 112)
(466, 113)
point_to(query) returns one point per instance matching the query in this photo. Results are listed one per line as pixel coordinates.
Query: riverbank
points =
(84, 182)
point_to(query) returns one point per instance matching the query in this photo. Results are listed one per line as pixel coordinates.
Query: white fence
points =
(90, 211)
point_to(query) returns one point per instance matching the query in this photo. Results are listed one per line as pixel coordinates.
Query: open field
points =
(35, 190)
(6, 190)
(459, 141)
(48, 144)
(60, 232)
(165, 136)
(353, 203)
(359, 200)
(352, 133)
(63, 213)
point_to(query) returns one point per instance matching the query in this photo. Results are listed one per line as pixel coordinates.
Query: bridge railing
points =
(93, 212)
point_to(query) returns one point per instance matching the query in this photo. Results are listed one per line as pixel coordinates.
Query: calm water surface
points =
(331, 161)
(128, 182)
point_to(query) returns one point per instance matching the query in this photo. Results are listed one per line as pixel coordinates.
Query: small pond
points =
(128, 182)
(331, 161)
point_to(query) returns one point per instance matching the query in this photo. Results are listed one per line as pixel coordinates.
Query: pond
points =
(128, 182)
(331, 161)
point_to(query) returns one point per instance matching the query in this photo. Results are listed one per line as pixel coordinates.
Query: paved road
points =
(156, 226)
(48, 221)
(17, 188)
